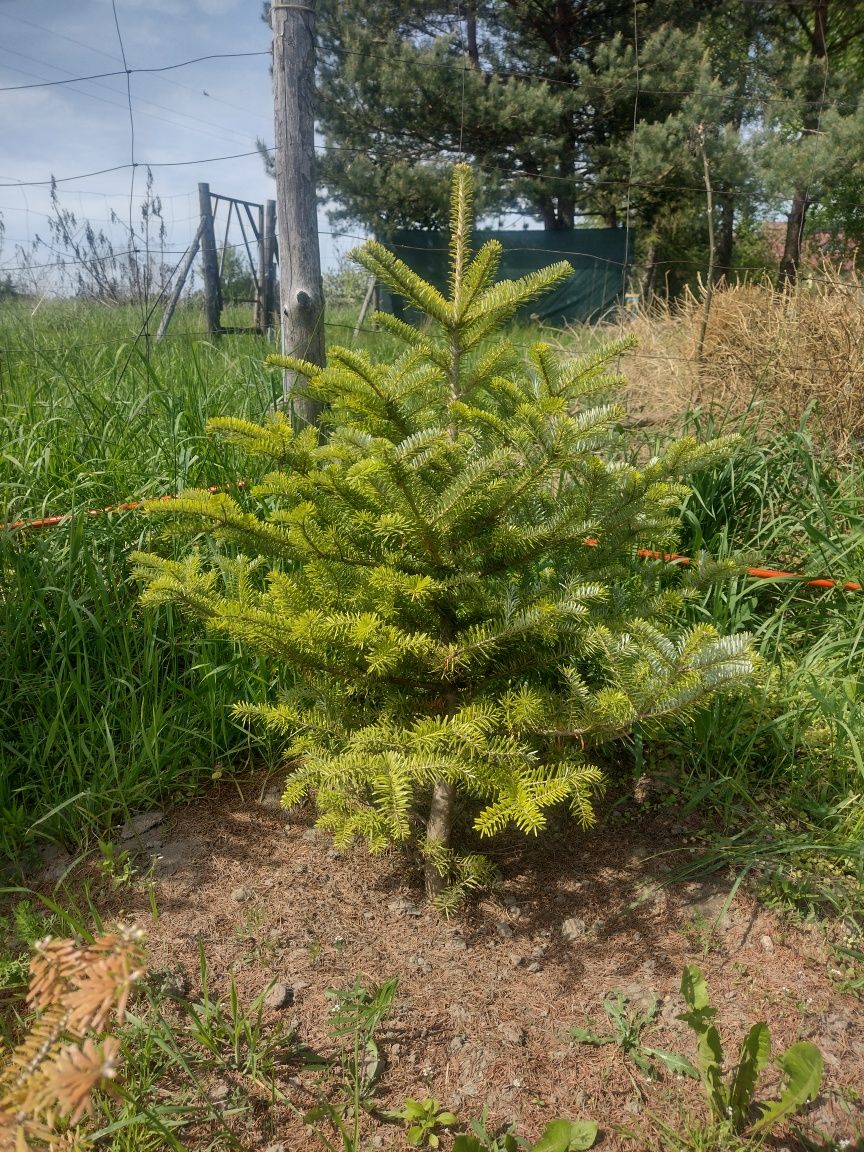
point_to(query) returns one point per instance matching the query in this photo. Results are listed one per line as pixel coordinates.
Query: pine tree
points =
(452, 576)
(522, 88)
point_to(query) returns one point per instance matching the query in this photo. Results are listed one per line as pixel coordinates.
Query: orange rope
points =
(129, 506)
(758, 573)
(644, 553)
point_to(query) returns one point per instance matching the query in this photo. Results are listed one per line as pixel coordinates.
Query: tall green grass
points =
(784, 767)
(103, 709)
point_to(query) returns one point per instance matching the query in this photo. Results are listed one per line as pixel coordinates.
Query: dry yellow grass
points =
(777, 355)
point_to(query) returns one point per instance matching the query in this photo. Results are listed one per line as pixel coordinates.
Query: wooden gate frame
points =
(262, 224)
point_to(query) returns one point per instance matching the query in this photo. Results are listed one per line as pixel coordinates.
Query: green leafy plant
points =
(19, 932)
(628, 1023)
(732, 1097)
(482, 1140)
(423, 1119)
(115, 864)
(356, 1013)
(452, 576)
(560, 1135)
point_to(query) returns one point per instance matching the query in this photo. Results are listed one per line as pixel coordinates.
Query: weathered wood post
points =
(182, 273)
(301, 291)
(209, 262)
(268, 285)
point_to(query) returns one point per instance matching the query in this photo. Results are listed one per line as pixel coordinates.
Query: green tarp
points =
(599, 257)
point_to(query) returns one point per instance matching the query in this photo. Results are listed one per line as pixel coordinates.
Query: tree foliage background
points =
(584, 111)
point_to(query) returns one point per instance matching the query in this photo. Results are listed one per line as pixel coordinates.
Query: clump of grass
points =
(104, 711)
(784, 768)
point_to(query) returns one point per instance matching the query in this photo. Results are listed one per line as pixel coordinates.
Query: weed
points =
(116, 865)
(423, 1120)
(558, 1136)
(699, 932)
(355, 1015)
(628, 1023)
(732, 1100)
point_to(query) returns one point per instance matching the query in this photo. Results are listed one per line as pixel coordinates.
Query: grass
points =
(783, 768)
(105, 710)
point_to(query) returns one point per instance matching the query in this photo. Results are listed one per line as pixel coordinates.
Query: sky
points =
(214, 108)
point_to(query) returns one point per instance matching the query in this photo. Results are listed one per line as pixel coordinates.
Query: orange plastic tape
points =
(644, 553)
(129, 506)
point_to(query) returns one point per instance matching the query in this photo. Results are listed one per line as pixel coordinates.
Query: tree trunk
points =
(471, 33)
(438, 829)
(726, 239)
(791, 258)
(813, 91)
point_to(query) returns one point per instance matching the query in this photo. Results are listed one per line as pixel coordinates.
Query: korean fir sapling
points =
(451, 575)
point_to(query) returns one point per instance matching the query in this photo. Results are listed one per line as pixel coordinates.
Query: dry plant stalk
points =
(49, 1079)
(777, 355)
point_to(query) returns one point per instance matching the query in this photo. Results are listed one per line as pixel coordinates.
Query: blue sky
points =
(209, 109)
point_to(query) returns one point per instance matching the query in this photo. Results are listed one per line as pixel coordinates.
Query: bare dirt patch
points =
(485, 998)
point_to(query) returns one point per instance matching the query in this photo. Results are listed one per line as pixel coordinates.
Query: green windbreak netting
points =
(599, 257)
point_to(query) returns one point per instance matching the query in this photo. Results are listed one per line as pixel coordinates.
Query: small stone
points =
(312, 834)
(299, 987)
(539, 952)
(512, 1033)
(457, 1044)
(141, 823)
(279, 996)
(533, 967)
(372, 1066)
(334, 854)
(56, 861)
(573, 928)
(173, 855)
(515, 959)
(456, 945)
(277, 1147)
(378, 1140)
(272, 799)
(767, 943)
(400, 906)
(239, 895)
(503, 929)
(219, 1092)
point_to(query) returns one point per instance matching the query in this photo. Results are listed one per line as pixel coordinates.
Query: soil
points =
(486, 997)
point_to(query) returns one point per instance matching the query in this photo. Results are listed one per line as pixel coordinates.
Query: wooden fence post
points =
(301, 297)
(269, 266)
(210, 262)
(182, 273)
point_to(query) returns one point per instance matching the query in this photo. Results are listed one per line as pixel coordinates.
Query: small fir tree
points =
(452, 576)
